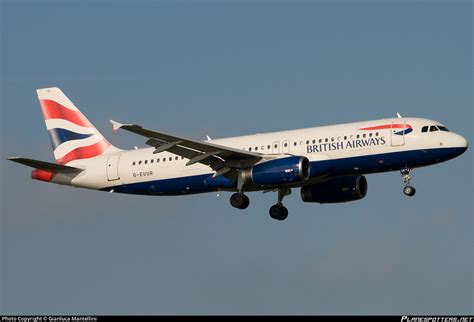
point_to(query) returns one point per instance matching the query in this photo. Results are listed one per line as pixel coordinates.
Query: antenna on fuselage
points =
(398, 115)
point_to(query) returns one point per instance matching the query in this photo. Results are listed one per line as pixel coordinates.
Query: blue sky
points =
(197, 68)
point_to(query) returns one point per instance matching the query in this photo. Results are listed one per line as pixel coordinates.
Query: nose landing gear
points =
(407, 189)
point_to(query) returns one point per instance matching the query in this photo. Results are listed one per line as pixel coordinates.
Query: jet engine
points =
(278, 171)
(341, 189)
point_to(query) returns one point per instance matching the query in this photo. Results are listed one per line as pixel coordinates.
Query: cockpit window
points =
(433, 128)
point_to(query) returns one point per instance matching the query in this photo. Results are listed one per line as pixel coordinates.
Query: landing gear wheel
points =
(278, 212)
(239, 200)
(409, 191)
(246, 202)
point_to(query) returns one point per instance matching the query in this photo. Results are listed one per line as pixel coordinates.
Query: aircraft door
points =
(276, 147)
(112, 167)
(397, 134)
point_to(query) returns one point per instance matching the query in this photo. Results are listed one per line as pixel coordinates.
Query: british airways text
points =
(331, 146)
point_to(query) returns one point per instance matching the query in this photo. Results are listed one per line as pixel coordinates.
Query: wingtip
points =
(115, 125)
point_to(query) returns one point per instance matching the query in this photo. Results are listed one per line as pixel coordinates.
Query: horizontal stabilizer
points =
(42, 165)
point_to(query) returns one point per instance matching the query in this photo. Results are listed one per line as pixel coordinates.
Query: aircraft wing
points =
(220, 158)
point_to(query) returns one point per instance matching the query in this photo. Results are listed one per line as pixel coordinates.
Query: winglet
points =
(115, 126)
(398, 115)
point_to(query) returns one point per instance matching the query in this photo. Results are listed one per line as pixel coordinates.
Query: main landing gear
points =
(239, 200)
(278, 211)
(407, 189)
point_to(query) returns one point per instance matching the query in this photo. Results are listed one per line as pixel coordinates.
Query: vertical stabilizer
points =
(72, 135)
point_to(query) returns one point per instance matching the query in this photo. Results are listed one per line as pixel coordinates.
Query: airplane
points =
(328, 164)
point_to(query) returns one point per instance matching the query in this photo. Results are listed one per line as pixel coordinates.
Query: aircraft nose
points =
(460, 142)
(463, 142)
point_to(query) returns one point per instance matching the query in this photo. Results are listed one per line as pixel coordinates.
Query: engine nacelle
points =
(342, 189)
(278, 171)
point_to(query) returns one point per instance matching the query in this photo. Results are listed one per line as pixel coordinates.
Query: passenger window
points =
(433, 128)
(424, 129)
(376, 133)
(256, 148)
(171, 158)
(146, 161)
(176, 158)
(345, 137)
(152, 160)
(314, 141)
(268, 147)
(285, 145)
(351, 137)
(294, 143)
(164, 159)
(320, 140)
(370, 135)
(250, 149)
(332, 139)
(358, 136)
(140, 162)
(275, 146)
(363, 135)
(339, 138)
(133, 163)
(307, 141)
(157, 160)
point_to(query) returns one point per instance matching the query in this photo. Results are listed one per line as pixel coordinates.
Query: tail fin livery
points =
(72, 135)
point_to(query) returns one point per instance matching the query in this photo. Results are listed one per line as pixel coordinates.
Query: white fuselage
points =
(353, 148)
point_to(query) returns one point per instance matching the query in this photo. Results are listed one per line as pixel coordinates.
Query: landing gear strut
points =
(407, 189)
(278, 211)
(239, 200)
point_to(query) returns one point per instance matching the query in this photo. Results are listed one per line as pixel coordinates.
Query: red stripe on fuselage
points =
(54, 110)
(387, 126)
(85, 152)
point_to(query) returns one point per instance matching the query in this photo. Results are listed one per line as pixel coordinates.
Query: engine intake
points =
(342, 189)
(278, 171)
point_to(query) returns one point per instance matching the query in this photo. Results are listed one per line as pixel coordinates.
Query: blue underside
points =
(339, 167)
